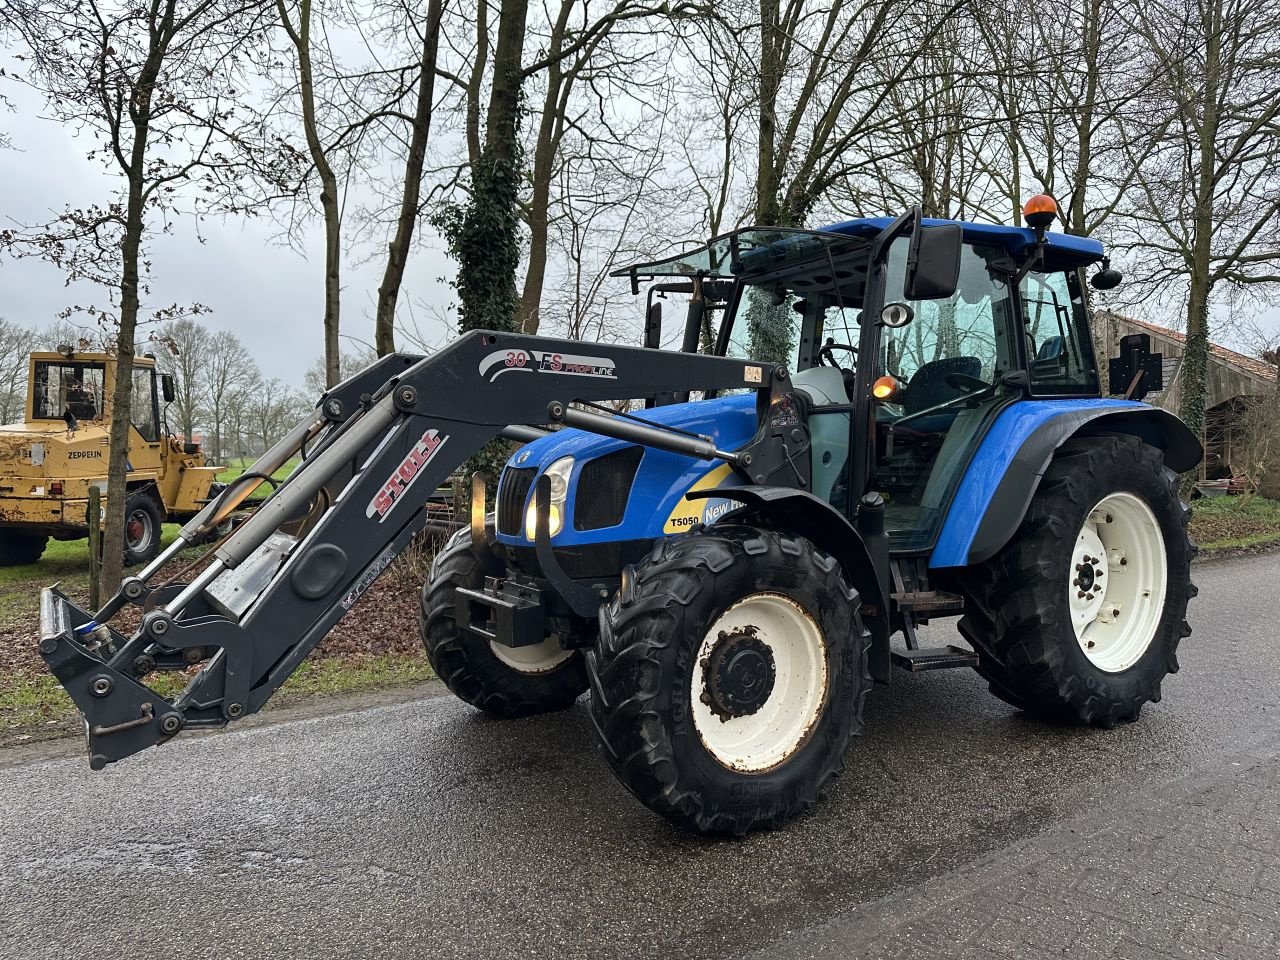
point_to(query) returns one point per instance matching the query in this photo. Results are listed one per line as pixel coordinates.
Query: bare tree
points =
(229, 371)
(273, 408)
(297, 20)
(16, 344)
(1205, 213)
(182, 343)
(156, 87)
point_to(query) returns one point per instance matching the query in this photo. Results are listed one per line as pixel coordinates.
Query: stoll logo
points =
(410, 469)
(538, 361)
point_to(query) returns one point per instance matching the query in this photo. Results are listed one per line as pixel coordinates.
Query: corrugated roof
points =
(1249, 364)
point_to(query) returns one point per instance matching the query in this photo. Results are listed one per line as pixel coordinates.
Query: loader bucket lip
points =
(122, 716)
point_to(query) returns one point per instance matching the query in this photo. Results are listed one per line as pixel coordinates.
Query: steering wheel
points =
(827, 353)
(962, 381)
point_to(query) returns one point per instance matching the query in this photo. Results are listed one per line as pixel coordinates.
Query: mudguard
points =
(1003, 475)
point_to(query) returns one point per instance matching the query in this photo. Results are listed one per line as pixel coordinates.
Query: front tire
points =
(730, 676)
(143, 521)
(1079, 617)
(504, 681)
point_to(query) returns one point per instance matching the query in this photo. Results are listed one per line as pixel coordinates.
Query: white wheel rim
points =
(533, 659)
(1117, 582)
(779, 728)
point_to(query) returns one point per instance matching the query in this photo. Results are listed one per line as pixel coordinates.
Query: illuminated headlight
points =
(559, 474)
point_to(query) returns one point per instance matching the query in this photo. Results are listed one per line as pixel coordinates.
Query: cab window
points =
(60, 387)
(143, 404)
(1059, 351)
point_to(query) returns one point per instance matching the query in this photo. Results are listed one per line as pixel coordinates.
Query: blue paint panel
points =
(1079, 250)
(988, 467)
(662, 478)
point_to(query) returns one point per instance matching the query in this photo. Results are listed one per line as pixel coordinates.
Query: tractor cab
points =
(921, 331)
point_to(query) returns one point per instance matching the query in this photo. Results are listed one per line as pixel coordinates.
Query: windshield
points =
(62, 386)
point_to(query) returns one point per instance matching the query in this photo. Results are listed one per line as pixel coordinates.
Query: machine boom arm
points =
(379, 445)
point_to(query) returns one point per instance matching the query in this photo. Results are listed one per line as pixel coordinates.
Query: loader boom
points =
(374, 448)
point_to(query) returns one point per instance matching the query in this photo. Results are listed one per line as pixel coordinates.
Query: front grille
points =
(513, 491)
(604, 486)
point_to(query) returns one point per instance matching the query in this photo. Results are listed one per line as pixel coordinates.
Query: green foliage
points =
(769, 330)
(484, 238)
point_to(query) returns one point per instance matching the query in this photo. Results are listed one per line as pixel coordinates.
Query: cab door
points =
(949, 362)
(144, 417)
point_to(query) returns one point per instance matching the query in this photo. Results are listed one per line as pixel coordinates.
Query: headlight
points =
(559, 474)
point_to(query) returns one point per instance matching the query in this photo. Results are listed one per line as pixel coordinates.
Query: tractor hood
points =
(40, 449)
(628, 492)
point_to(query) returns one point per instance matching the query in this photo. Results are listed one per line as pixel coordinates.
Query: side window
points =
(143, 405)
(969, 331)
(1059, 351)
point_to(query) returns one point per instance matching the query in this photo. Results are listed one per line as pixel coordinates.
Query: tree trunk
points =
(768, 183)
(329, 205)
(1195, 361)
(398, 252)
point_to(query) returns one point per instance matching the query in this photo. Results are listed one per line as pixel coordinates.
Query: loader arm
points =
(373, 452)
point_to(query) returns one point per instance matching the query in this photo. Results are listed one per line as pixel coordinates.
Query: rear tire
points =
(18, 548)
(700, 723)
(143, 520)
(1079, 617)
(506, 682)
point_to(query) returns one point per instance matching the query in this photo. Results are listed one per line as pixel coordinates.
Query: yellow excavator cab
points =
(50, 460)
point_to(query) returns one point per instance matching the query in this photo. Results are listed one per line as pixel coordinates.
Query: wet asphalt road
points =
(424, 829)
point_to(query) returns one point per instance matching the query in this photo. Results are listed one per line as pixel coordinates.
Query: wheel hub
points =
(135, 529)
(740, 673)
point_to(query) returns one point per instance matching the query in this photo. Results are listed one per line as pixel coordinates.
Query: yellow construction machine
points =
(50, 460)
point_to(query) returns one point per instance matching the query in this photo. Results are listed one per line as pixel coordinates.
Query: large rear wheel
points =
(17, 547)
(505, 681)
(1080, 616)
(730, 675)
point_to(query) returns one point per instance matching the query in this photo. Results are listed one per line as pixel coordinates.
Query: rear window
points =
(62, 386)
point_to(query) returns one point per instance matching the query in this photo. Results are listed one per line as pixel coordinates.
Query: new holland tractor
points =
(901, 420)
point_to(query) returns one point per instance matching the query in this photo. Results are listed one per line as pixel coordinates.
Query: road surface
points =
(423, 829)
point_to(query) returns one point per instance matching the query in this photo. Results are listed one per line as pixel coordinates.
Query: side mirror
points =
(653, 326)
(933, 262)
(1106, 278)
(166, 387)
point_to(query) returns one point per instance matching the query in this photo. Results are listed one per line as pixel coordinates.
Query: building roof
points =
(1251, 365)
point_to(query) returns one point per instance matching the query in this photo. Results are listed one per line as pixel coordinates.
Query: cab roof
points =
(1064, 250)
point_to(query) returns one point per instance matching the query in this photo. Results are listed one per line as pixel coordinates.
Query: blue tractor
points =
(899, 420)
(959, 459)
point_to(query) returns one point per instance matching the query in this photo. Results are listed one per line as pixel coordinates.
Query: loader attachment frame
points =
(375, 448)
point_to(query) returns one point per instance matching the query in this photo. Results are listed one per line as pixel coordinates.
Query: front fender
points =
(1005, 472)
(795, 511)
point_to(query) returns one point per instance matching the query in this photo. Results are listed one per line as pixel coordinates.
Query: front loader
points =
(901, 420)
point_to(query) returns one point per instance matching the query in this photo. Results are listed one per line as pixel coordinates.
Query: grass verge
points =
(28, 704)
(1235, 523)
(238, 465)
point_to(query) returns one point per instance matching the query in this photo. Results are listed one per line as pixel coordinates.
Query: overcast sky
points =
(266, 293)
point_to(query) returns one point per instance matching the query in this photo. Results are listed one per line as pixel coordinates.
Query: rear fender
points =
(1004, 474)
(788, 510)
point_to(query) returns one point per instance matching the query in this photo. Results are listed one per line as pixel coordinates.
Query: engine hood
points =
(655, 502)
(729, 420)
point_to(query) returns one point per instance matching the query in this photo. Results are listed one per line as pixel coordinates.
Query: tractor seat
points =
(928, 387)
